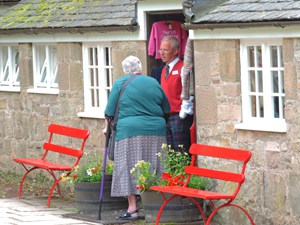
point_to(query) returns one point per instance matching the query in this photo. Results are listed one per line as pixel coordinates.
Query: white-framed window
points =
(45, 79)
(9, 68)
(97, 77)
(262, 80)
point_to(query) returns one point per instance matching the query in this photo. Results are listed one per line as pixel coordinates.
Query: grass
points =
(36, 184)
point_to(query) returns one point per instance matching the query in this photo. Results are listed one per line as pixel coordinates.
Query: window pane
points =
(45, 66)
(92, 80)
(41, 63)
(252, 81)
(274, 56)
(9, 66)
(53, 64)
(253, 105)
(93, 97)
(16, 65)
(107, 55)
(282, 81)
(259, 56)
(97, 102)
(261, 106)
(4, 63)
(90, 56)
(260, 81)
(95, 55)
(283, 107)
(276, 107)
(251, 61)
(280, 56)
(97, 77)
(275, 82)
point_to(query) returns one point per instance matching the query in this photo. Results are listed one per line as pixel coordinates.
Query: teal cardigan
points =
(142, 108)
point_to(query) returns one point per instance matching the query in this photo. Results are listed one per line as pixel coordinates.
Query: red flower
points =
(95, 170)
(75, 175)
(173, 180)
(140, 187)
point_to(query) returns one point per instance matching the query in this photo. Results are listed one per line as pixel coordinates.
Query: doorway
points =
(161, 16)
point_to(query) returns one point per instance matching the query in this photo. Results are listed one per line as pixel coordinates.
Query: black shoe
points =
(128, 216)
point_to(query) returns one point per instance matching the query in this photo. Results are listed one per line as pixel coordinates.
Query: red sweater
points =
(172, 86)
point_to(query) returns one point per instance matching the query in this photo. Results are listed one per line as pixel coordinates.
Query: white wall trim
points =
(237, 33)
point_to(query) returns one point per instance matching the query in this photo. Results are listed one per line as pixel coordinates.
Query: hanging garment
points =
(161, 29)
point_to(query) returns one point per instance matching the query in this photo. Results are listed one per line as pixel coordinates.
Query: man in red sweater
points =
(178, 127)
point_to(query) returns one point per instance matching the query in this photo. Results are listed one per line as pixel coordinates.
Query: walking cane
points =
(108, 132)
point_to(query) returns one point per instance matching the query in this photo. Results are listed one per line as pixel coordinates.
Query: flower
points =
(145, 178)
(173, 175)
(89, 172)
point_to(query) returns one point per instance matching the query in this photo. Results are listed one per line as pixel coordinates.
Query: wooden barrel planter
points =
(178, 210)
(87, 197)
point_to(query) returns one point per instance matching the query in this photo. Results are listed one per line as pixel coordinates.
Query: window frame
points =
(268, 122)
(47, 83)
(12, 82)
(96, 96)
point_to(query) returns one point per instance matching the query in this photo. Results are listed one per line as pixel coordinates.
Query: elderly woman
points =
(141, 129)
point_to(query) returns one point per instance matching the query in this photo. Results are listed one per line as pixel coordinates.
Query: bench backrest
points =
(55, 129)
(242, 156)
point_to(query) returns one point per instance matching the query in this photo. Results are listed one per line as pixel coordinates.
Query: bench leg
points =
(55, 184)
(166, 201)
(23, 179)
(51, 191)
(225, 205)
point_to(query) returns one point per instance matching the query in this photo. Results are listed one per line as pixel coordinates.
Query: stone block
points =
(229, 65)
(205, 45)
(203, 69)
(294, 187)
(3, 103)
(288, 50)
(206, 106)
(64, 76)
(275, 193)
(290, 81)
(76, 76)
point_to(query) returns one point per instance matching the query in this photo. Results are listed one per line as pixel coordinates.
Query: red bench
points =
(198, 150)
(57, 133)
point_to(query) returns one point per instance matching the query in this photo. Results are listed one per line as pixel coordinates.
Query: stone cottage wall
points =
(271, 191)
(24, 117)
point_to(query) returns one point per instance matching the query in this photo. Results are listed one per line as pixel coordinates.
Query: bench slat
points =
(62, 149)
(220, 152)
(191, 192)
(68, 131)
(215, 174)
(42, 164)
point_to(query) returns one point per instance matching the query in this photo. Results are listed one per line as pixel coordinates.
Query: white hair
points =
(132, 65)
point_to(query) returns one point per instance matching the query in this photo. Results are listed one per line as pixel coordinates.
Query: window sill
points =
(90, 115)
(48, 91)
(10, 89)
(274, 126)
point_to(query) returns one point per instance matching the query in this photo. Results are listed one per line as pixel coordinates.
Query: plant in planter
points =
(86, 179)
(174, 164)
(89, 172)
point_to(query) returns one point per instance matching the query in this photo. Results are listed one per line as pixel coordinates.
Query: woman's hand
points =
(104, 130)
